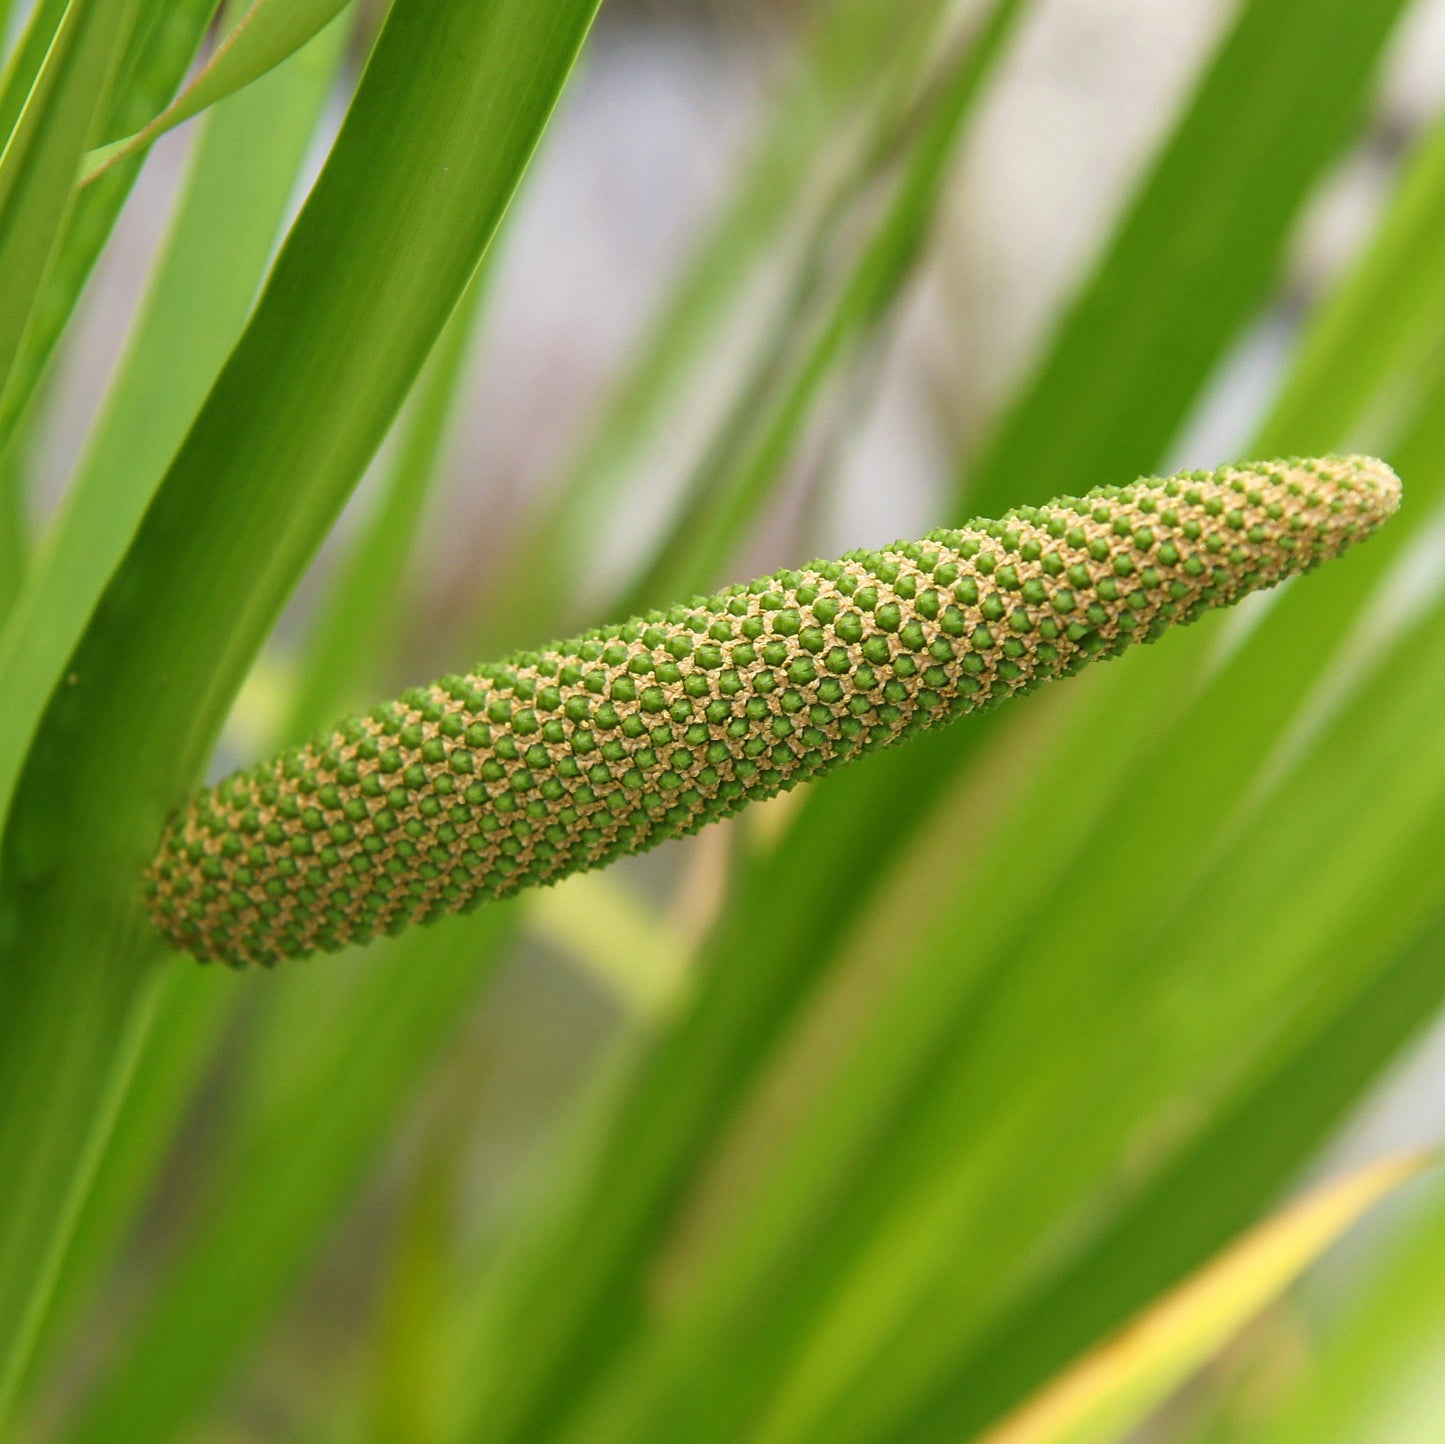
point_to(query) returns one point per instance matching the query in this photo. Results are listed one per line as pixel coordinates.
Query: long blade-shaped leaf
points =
(1112, 1389)
(162, 43)
(37, 166)
(410, 998)
(734, 481)
(1246, 1157)
(355, 629)
(274, 1207)
(372, 269)
(24, 62)
(242, 179)
(1195, 253)
(261, 39)
(242, 176)
(1377, 1375)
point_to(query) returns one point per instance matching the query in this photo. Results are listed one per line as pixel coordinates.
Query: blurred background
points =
(772, 156)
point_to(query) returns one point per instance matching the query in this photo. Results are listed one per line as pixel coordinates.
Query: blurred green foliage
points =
(979, 1048)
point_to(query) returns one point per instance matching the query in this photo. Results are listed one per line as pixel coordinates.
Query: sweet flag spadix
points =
(558, 760)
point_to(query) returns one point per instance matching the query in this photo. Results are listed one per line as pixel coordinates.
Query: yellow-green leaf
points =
(1112, 1388)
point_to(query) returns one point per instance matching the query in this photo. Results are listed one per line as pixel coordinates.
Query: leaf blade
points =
(1194, 254)
(37, 164)
(348, 317)
(265, 35)
(1114, 1387)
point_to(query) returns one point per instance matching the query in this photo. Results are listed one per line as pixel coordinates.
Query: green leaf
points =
(276, 1205)
(1246, 1155)
(864, 59)
(757, 440)
(1195, 254)
(24, 62)
(357, 626)
(407, 1001)
(261, 39)
(372, 269)
(37, 167)
(242, 178)
(1377, 1374)
(1380, 322)
(1111, 1390)
(162, 43)
(415, 1020)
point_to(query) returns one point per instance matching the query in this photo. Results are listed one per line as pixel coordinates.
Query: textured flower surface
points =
(559, 760)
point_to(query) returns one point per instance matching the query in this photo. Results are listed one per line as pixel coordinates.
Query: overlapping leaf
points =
(262, 37)
(351, 311)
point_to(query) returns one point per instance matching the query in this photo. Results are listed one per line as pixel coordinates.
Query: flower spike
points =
(556, 761)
